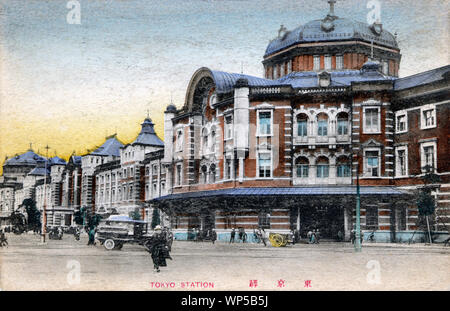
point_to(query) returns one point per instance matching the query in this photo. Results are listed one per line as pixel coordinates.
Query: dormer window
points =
(339, 62)
(324, 79)
(327, 62)
(316, 63)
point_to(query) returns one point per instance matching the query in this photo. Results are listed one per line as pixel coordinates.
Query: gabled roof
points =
(421, 78)
(27, 158)
(147, 136)
(111, 147)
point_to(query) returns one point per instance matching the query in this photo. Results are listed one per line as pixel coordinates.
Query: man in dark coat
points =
(91, 236)
(158, 249)
(233, 233)
(213, 236)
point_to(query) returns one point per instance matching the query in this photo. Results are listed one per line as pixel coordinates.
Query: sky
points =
(71, 85)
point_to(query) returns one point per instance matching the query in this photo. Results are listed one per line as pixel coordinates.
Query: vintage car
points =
(117, 230)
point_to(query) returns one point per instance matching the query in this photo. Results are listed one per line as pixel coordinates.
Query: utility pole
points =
(358, 212)
(44, 210)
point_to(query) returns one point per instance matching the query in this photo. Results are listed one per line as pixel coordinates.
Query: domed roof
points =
(333, 29)
(171, 108)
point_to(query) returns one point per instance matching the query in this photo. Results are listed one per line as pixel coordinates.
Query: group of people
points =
(201, 235)
(313, 236)
(242, 235)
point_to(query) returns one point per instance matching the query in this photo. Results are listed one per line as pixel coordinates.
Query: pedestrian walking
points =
(3, 239)
(156, 245)
(91, 236)
(309, 235)
(233, 233)
(213, 235)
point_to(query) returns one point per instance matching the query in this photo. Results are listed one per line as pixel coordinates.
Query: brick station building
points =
(284, 151)
(281, 152)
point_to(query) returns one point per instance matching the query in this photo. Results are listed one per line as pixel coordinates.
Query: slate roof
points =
(344, 29)
(286, 191)
(111, 147)
(421, 78)
(225, 81)
(147, 136)
(304, 79)
(56, 161)
(27, 158)
(40, 171)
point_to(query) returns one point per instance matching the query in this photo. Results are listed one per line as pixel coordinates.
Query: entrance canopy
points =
(286, 191)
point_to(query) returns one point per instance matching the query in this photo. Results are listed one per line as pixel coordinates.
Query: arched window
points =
(204, 173)
(205, 141)
(323, 167)
(342, 123)
(343, 167)
(212, 172)
(322, 124)
(179, 143)
(212, 176)
(302, 125)
(213, 140)
(302, 165)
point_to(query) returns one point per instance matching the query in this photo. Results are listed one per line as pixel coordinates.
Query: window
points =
(372, 120)
(327, 62)
(342, 124)
(227, 169)
(302, 165)
(316, 63)
(264, 165)
(179, 142)
(385, 67)
(178, 176)
(290, 66)
(322, 167)
(163, 186)
(322, 127)
(154, 188)
(204, 172)
(212, 176)
(213, 141)
(401, 122)
(302, 125)
(372, 163)
(339, 62)
(428, 156)
(265, 123)
(401, 164)
(264, 220)
(205, 141)
(228, 127)
(343, 167)
(371, 218)
(428, 117)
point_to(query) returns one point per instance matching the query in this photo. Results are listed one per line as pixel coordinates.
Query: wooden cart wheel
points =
(109, 244)
(276, 240)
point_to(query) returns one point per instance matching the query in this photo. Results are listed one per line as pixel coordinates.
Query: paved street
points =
(27, 265)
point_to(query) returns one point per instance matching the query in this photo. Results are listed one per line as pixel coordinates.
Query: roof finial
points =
(371, 50)
(31, 147)
(331, 2)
